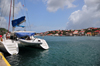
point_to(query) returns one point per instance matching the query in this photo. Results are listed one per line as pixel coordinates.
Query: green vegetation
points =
(3, 31)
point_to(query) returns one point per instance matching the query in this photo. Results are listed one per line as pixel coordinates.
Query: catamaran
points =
(12, 41)
(6, 44)
(26, 38)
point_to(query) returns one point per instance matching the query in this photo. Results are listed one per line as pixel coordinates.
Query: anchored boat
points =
(6, 44)
(11, 40)
(9, 46)
(26, 38)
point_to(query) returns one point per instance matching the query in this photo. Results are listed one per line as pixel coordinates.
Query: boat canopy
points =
(18, 21)
(22, 34)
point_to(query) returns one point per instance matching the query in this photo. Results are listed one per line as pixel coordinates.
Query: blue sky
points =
(43, 20)
(46, 15)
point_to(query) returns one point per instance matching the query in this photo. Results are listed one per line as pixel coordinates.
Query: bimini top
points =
(22, 34)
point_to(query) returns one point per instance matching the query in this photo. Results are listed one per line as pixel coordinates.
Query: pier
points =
(3, 61)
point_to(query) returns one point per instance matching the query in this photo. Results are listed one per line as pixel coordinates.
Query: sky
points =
(47, 15)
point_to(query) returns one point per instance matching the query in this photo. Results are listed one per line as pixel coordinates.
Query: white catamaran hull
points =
(40, 43)
(9, 47)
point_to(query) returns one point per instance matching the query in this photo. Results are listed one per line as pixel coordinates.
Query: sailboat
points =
(8, 45)
(11, 42)
(25, 38)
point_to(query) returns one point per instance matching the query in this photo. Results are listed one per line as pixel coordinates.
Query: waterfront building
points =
(89, 34)
(75, 33)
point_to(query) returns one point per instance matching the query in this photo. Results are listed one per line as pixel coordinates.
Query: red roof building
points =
(89, 33)
(97, 31)
(75, 32)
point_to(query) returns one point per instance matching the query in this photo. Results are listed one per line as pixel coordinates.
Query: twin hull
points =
(9, 46)
(12, 47)
(39, 43)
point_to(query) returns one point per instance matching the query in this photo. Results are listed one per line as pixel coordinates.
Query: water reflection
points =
(13, 59)
(27, 56)
(63, 51)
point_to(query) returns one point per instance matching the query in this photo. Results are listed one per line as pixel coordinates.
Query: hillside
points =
(82, 32)
(3, 31)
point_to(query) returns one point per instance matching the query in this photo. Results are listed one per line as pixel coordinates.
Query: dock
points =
(3, 61)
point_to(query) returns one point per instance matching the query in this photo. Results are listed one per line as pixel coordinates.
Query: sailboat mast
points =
(9, 15)
(13, 9)
(13, 12)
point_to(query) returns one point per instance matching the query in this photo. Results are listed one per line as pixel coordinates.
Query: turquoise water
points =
(63, 51)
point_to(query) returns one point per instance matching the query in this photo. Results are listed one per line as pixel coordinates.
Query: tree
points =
(3, 31)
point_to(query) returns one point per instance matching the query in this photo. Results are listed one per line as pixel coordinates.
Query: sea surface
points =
(63, 51)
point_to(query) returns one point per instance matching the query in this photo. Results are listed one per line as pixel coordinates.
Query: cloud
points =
(54, 5)
(89, 16)
(5, 8)
(3, 22)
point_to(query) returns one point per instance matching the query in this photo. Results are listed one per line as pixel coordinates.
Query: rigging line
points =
(22, 13)
(25, 11)
(9, 15)
(21, 9)
(27, 15)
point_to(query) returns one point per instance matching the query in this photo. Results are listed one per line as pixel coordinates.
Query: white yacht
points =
(8, 45)
(26, 38)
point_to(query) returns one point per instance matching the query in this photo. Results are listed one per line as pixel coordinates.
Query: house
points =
(56, 34)
(67, 34)
(60, 34)
(97, 32)
(82, 32)
(50, 34)
(70, 34)
(75, 32)
(89, 34)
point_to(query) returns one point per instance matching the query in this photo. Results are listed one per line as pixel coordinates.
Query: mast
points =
(13, 9)
(9, 15)
(13, 13)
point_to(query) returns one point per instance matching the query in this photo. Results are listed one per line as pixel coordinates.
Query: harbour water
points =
(63, 51)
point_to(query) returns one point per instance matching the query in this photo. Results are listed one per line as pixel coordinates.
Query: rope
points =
(21, 9)
(27, 15)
